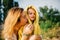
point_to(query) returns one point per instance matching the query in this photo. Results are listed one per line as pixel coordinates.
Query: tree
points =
(50, 14)
(50, 17)
(8, 4)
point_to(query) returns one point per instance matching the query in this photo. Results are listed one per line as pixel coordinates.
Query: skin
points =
(22, 22)
(31, 14)
(23, 19)
(28, 29)
(35, 37)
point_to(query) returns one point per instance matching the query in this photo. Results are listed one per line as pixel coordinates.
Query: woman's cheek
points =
(30, 16)
(24, 21)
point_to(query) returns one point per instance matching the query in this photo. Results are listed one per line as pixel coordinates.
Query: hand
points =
(28, 29)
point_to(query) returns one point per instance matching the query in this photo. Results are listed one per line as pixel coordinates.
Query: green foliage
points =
(50, 14)
(44, 10)
(50, 21)
(45, 25)
(7, 5)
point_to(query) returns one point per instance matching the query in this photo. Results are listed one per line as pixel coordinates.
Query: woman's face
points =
(23, 19)
(31, 14)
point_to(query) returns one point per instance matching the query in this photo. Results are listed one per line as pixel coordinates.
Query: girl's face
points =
(31, 14)
(23, 19)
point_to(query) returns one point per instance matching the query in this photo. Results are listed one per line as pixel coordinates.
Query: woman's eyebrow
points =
(29, 12)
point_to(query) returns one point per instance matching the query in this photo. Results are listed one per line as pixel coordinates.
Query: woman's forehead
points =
(31, 10)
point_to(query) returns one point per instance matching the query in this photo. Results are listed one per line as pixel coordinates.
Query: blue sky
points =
(39, 3)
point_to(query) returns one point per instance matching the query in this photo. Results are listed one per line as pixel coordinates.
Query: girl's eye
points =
(30, 13)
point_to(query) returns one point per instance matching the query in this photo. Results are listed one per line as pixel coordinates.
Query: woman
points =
(29, 30)
(13, 23)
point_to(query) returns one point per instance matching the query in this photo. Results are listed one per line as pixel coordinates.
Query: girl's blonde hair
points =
(10, 21)
(37, 29)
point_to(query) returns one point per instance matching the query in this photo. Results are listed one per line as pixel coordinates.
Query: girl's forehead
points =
(31, 10)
